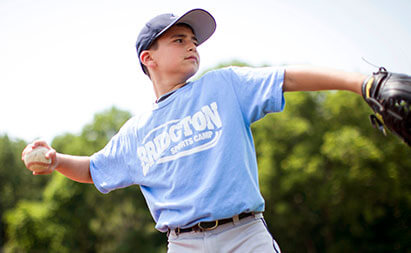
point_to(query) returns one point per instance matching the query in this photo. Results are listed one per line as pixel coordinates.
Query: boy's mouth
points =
(192, 58)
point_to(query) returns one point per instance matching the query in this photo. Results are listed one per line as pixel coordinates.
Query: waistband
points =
(211, 225)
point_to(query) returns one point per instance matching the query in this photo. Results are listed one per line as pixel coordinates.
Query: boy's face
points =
(176, 53)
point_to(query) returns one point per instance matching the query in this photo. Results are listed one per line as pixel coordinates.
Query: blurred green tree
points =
(15, 180)
(76, 217)
(331, 182)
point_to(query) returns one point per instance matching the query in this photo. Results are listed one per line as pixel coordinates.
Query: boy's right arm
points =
(76, 168)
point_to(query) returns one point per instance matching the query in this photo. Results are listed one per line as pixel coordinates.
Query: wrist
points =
(57, 161)
(358, 83)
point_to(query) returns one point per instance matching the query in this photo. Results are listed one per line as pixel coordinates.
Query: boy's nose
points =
(192, 47)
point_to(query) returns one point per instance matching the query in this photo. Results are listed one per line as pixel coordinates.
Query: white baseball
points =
(36, 160)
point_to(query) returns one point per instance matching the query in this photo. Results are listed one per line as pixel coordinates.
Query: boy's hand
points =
(51, 154)
(389, 96)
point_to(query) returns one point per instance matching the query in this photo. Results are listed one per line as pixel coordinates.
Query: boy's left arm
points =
(388, 94)
(306, 78)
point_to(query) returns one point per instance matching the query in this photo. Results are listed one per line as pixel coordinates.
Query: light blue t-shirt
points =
(193, 154)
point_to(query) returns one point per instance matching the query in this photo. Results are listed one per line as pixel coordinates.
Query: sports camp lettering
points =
(177, 138)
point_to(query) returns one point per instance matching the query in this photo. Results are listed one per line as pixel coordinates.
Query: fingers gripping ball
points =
(36, 160)
(389, 96)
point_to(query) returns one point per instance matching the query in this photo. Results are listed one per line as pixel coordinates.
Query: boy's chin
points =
(191, 73)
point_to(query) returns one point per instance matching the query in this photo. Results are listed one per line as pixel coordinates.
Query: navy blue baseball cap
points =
(201, 21)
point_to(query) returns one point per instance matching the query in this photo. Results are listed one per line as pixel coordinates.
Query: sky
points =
(61, 62)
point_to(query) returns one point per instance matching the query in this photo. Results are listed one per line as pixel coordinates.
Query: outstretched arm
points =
(76, 168)
(307, 78)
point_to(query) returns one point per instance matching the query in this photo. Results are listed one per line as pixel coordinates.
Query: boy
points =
(192, 154)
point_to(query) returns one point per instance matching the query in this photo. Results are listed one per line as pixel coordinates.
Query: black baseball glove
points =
(389, 96)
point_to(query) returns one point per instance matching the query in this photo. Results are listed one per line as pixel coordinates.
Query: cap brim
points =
(200, 20)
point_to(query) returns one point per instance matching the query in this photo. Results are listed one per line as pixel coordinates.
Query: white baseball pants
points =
(248, 235)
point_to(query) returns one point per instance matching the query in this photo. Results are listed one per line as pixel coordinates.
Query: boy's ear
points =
(146, 59)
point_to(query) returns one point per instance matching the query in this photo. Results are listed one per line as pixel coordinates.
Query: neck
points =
(162, 86)
(166, 87)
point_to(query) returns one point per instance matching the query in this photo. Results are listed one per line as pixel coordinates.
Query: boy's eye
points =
(179, 40)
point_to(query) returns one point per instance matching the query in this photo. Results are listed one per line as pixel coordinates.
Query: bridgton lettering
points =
(182, 137)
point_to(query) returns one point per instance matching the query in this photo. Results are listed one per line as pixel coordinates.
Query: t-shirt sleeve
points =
(116, 165)
(258, 90)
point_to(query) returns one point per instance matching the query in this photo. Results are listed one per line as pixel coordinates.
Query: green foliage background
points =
(331, 182)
